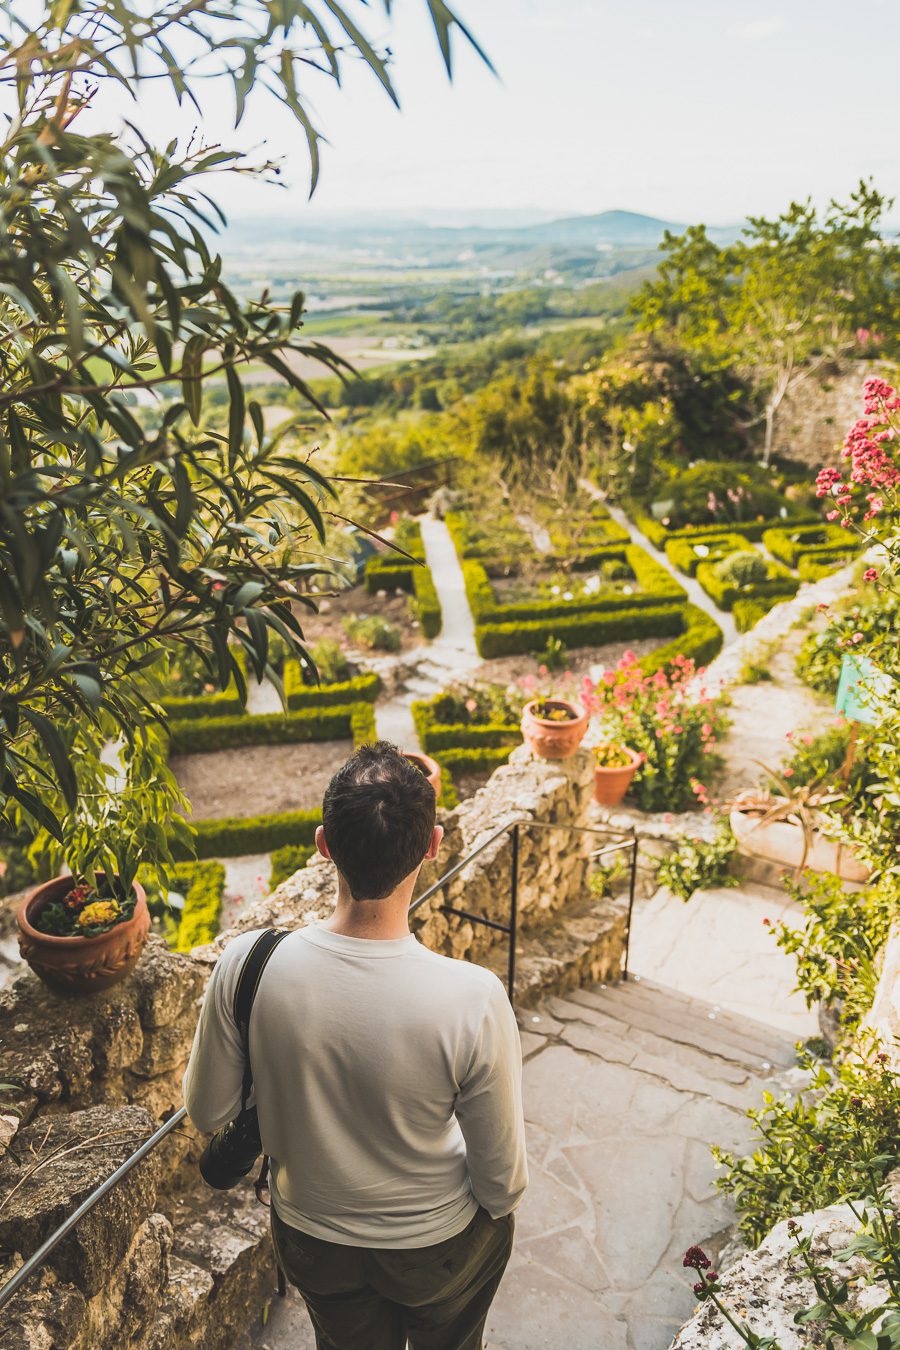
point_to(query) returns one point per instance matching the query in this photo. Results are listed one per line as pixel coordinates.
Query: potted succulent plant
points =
(427, 766)
(553, 727)
(614, 767)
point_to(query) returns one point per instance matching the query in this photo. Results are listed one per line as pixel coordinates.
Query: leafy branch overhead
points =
(129, 528)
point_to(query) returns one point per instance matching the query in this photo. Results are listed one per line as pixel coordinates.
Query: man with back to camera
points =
(388, 1087)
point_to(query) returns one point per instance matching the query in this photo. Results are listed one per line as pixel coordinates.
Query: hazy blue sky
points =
(686, 109)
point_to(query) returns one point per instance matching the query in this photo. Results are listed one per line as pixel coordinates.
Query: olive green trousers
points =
(369, 1298)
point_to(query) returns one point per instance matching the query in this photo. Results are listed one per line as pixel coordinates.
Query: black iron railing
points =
(513, 828)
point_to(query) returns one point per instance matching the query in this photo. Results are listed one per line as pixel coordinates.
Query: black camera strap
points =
(255, 963)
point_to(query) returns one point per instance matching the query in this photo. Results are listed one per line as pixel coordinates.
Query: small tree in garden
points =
(128, 531)
(794, 293)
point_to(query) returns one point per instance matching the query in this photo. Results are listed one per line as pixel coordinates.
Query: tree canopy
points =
(124, 538)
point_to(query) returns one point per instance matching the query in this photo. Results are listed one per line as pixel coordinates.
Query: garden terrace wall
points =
(174, 1264)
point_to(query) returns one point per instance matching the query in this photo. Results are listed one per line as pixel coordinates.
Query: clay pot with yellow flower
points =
(80, 937)
(614, 767)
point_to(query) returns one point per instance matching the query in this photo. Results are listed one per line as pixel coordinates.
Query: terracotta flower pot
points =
(81, 965)
(610, 785)
(550, 739)
(782, 842)
(430, 768)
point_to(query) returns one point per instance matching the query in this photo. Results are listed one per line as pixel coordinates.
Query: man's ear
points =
(321, 845)
(434, 847)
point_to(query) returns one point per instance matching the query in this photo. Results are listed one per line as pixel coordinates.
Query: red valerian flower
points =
(695, 1258)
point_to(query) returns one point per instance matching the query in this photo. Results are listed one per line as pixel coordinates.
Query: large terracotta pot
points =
(81, 965)
(554, 740)
(782, 842)
(610, 785)
(430, 768)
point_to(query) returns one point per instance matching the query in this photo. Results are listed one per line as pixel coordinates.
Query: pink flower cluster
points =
(871, 447)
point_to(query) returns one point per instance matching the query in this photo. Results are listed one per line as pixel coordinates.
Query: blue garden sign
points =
(863, 690)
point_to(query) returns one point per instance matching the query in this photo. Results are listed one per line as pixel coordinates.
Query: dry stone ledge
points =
(104, 1281)
(769, 1284)
(884, 1016)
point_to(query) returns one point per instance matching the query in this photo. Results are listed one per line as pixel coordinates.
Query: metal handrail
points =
(37, 1259)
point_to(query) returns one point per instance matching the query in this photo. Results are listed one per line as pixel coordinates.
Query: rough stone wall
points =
(885, 1013)
(815, 416)
(164, 1263)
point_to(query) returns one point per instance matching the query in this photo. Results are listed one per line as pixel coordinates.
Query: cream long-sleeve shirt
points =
(387, 1080)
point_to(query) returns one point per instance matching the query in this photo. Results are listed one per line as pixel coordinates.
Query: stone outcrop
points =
(769, 1285)
(816, 414)
(164, 1263)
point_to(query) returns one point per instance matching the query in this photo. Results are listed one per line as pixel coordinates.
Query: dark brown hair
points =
(378, 816)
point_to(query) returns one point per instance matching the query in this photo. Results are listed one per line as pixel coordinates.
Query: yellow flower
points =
(99, 911)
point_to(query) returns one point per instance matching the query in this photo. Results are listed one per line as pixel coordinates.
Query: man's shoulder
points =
(463, 973)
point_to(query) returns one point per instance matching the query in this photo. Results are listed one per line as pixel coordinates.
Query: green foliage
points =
(330, 661)
(286, 861)
(836, 1141)
(673, 726)
(791, 544)
(234, 836)
(592, 629)
(473, 716)
(790, 295)
(698, 863)
(364, 687)
(815, 566)
(876, 621)
(373, 632)
(777, 582)
(203, 887)
(746, 615)
(318, 723)
(836, 948)
(700, 640)
(130, 533)
(688, 553)
(745, 568)
(712, 494)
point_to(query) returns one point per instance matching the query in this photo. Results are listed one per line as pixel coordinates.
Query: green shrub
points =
(837, 947)
(682, 553)
(700, 641)
(820, 657)
(747, 613)
(791, 543)
(364, 687)
(331, 723)
(815, 566)
(484, 759)
(330, 661)
(721, 494)
(751, 531)
(391, 572)
(207, 705)
(585, 630)
(698, 863)
(744, 568)
(373, 632)
(778, 583)
(234, 836)
(203, 887)
(809, 1146)
(287, 860)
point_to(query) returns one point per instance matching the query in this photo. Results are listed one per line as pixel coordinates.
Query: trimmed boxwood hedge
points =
(815, 566)
(207, 705)
(752, 530)
(285, 861)
(391, 572)
(203, 886)
(747, 613)
(680, 552)
(700, 639)
(484, 759)
(584, 630)
(362, 688)
(335, 723)
(790, 545)
(232, 836)
(656, 583)
(779, 584)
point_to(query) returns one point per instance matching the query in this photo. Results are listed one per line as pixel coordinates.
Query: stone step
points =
(583, 944)
(695, 1023)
